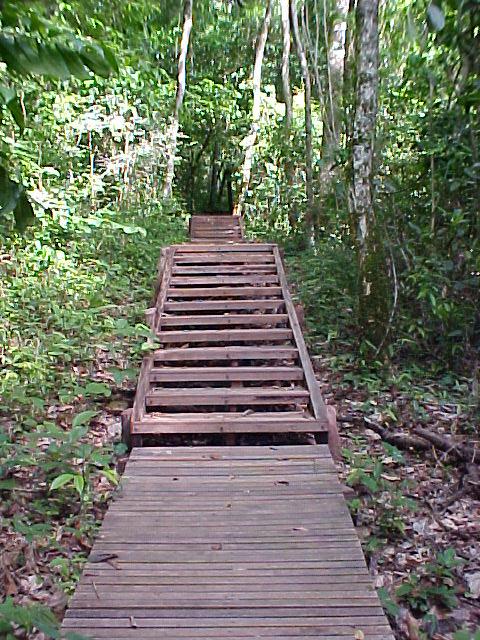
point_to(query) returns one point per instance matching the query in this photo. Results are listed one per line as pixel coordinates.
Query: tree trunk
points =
(287, 97)
(181, 83)
(287, 92)
(335, 48)
(308, 113)
(252, 137)
(212, 200)
(373, 281)
(335, 43)
(349, 73)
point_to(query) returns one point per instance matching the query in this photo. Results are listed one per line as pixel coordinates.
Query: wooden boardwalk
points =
(227, 541)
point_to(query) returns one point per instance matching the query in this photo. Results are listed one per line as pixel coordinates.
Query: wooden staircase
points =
(227, 542)
(232, 357)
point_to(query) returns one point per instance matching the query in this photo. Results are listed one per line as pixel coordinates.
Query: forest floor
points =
(417, 512)
(415, 506)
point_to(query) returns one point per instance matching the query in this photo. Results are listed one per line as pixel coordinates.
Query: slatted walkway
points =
(227, 541)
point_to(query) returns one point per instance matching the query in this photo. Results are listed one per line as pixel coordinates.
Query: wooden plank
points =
(224, 374)
(143, 386)
(223, 280)
(225, 353)
(317, 401)
(243, 319)
(226, 258)
(224, 292)
(220, 396)
(224, 269)
(183, 249)
(225, 335)
(223, 305)
(163, 289)
(161, 425)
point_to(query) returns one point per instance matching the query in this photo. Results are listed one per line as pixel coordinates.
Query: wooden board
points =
(182, 554)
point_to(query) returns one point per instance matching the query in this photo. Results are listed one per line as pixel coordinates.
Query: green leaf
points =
(83, 418)
(10, 55)
(98, 389)
(111, 475)
(61, 481)
(16, 110)
(7, 94)
(404, 589)
(369, 482)
(74, 62)
(112, 61)
(79, 484)
(436, 17)
(94, 58)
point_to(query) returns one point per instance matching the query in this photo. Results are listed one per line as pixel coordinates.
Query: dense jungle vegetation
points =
(345, 130)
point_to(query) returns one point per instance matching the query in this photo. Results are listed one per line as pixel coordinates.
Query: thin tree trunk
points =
(287, 96)
(287, 92)
(252, 137)
(335, 43)
(308, 112)
(335, 48)
(181, 83)
(214, 177)
(349, 72)
(373, 281)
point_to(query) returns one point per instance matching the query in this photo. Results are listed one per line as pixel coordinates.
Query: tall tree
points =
(287, 98)
(257, 82)
(172, 135)
(287, 92)
(302, 57)
(373, 285)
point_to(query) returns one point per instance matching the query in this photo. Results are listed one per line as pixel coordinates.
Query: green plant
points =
(434, 585)
(28, 618)
(386, 498)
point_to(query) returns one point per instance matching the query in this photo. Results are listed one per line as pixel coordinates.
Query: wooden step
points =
(227, 258)
(178, 281)
(228, 269)
(224, 374)
(225, 353)
(224, 292)
(280, 422)
(216, 396)
(243, 319)
(225, 335)
(221, 305)
(208, 248)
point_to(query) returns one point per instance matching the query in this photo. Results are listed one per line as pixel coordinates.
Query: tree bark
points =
(287, 97)
(308, 113)
(373, 280)
(334, 38)
(287, 92)
(214, 173)
(335, 43)
(349, 73)
(181, 84)
(252, 137)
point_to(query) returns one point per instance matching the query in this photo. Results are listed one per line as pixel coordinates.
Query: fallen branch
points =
(423, 439)
(401, 440)
(448, 445)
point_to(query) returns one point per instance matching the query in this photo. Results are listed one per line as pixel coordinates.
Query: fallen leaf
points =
(473, 581)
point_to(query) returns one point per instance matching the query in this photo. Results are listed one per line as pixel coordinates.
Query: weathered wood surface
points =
(224, 317)
(216, 228)
(228, 542)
